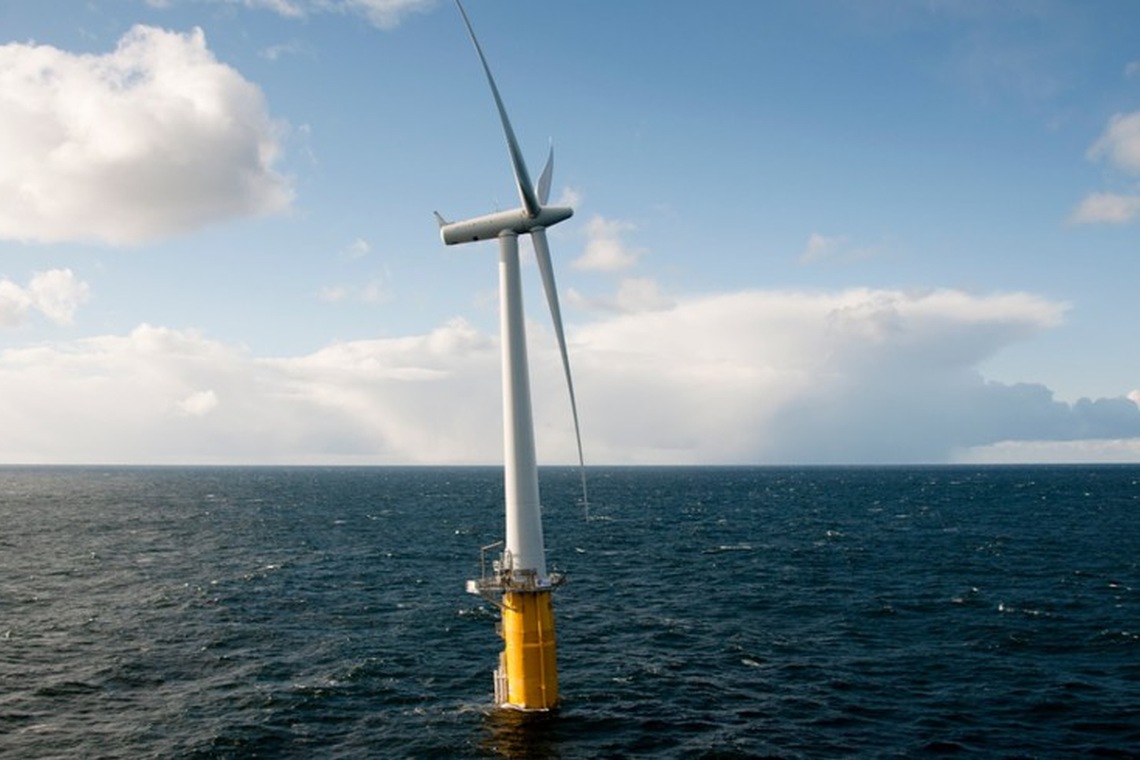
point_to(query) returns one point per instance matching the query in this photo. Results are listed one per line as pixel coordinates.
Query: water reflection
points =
(515, 734)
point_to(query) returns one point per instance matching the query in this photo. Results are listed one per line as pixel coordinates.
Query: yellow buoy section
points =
(529, 662)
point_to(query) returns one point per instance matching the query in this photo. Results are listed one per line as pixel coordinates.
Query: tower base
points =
(528, 667)
(527, 675)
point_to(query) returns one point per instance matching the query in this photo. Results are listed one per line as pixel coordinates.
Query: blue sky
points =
(805, 232)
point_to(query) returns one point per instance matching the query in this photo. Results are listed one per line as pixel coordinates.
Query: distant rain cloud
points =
(153, 139)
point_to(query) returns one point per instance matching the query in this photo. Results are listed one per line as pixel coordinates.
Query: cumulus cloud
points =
(606, 250)
(761, 376)
(56, 294)
(859, 375)
(153, 139)
(14, 303)
(1119, 146)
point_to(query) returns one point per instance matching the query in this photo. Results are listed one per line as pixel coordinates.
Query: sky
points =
(805, 232)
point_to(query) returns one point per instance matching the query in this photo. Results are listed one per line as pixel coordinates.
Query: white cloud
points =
(153, 139)
(277, 52)
(757, 376)
(1051, 452)
(123, 399)
(1106, 208)
(333, 293)
(358, 248)
(286, 8)
(642, 294)
(384, 14)
(633, 295)
(374, 292)
(832, 248)
(605, 250)
(820, 247)
(14, 303)
(140, 398)
(56, 293)
(1120, 143)
(199, 404)
(371, 292)
(750, 376)
(569, 197)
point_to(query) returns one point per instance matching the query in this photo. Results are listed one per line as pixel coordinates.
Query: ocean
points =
(709, 612)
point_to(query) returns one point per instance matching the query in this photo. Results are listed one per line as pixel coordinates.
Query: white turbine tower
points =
(527, 675)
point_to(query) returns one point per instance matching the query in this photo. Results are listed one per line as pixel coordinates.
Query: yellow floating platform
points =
(527, 678)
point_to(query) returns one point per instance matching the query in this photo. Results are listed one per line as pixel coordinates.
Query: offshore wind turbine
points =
(527, 675)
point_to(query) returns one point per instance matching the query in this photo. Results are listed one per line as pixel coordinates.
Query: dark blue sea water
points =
(320, 613)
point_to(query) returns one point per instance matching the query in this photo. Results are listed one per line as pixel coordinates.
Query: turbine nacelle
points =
(490, 226)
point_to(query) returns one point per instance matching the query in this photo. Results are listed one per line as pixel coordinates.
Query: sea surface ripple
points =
(710, 612)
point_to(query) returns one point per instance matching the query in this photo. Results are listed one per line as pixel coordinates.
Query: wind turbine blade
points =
(543, 189)
(522, 178)
(546, 269)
